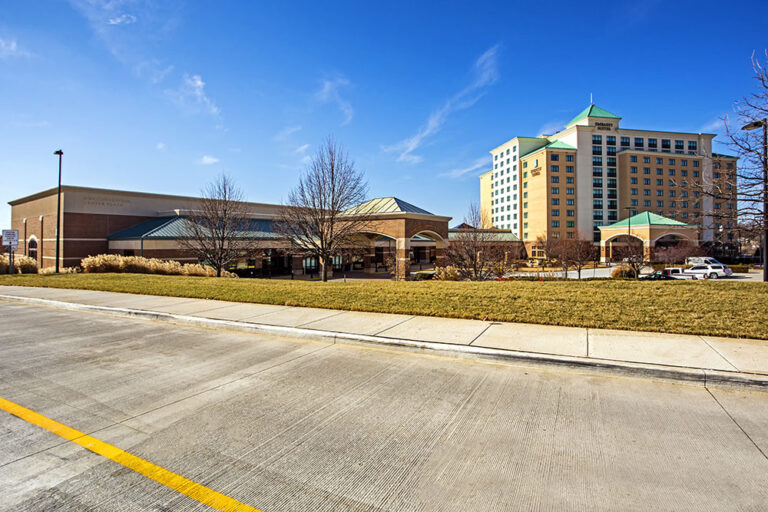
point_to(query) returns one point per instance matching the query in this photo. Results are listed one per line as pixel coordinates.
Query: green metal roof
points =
(646, 219)
(593, 111)
(489, 235)
(386, 205)
(559, 145)
(171, 228)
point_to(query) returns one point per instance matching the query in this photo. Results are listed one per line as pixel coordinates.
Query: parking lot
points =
(281, 424)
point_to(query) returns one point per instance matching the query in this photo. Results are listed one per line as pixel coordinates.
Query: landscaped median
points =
(710, 308)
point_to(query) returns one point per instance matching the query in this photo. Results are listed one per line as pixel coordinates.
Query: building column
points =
(403, 258)
(604, 257)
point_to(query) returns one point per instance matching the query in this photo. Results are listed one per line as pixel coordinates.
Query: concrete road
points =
(281, 424)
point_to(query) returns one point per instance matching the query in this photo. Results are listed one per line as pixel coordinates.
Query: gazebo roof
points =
(646, 219)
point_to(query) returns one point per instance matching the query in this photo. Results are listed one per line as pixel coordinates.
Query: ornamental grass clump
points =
(25, 265)
(115, 263)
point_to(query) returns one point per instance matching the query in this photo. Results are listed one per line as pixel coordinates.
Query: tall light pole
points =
(60, 153)
(629, 232)
(754, 126)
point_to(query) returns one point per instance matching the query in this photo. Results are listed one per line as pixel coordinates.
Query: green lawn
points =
(695, 307)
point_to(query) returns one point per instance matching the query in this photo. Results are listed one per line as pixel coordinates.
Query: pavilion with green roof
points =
(648, 229)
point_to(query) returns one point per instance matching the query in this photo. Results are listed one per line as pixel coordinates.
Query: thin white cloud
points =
(551, 127)
(329, 93)
(154, 70)
(191, 95)
(287, 132)
(123, 19)
(208, 160)
(714, 126)
(485, 74)
(477, 164)
(160, 146)
(302, 149)
(9, 48)
(306, 159)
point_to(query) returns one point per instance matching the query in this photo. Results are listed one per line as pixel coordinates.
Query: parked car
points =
(710, 271)
(658, 276)
(679, 273)
(701, 260)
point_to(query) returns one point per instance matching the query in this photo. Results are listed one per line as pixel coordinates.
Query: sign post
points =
(10, 240)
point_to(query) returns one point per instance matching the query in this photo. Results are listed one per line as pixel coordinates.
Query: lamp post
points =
(749, 127)
(60, 153)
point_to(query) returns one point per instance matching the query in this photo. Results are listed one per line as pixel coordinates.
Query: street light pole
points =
(753, 126)
(629, 232)
(60, 153)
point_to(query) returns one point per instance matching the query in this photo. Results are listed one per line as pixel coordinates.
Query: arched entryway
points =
(624, 247)
(32, 248)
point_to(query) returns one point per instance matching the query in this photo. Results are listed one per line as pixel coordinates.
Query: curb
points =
(700, 376)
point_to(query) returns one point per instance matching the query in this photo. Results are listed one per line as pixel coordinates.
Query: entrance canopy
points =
(647, 228)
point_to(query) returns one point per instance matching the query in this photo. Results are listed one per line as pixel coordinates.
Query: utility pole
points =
(60, 153)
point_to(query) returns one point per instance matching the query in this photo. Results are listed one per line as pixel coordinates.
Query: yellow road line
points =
(169, 479)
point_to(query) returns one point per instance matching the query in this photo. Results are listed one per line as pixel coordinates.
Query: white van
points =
(708, 271)
(701, 260)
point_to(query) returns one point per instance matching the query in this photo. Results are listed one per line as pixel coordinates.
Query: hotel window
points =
(652, 143)
(633, 181)
(536, 162)
(525, 185)
(638, 142)
(692, 145)
(555, 179)
(525, 195)
(683, 172)
(646, 170)
(570, 202)
(610, 140)
(612, 161)
(525, 174)
(597, 160)
(597, 192)
(570, 213)
(555, 212)
(514, 149)
(597, 150)
(716, 175)
(684, 215)
(507, 150)
(659, 182)
(730, 206)
(659, 193)
(555, 190)
(495, 157)
(633, 170)
(684, 162)
(659, 161)
(611, 150)
(695, 163)
(555, 201)
(633, 158)
(555, 168)
(646, 203)
(633, 202)
(597, 182)
(514, 158)
(507, 161)
(679, 144)
(683, 204)
(625, 142)
(569, 179)
(570, 190)
(597, 171)
(555, 157)
(597, 139)
(696, 194)
(697, 205)
(568, 168)
(683, 193)
(646, 181)
(729, 166)
(671, 172)
(659, 204)
(555, 223)
(672, 183)
(570, 223)
(569, 158)
(525, 205)
(659, 171)
(525, 166)
(646, 192)
(695, 174)
(597, 204)
(665, 144)
(611, 182)
(671, 161)
(495, 166)
(672, 193)
(634, 191)
(717, 206)
(525, 215)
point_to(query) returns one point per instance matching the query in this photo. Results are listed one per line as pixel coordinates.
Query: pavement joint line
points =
(481, 333)
(321, 318)
(401, 322)
(736, 423)
(587, 341)
(174, 481)
(704, 339)
(649, 370)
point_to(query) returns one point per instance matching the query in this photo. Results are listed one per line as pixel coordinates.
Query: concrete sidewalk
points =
(705, 359)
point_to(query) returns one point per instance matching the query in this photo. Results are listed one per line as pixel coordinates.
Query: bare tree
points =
(477, 253)
(320, 218)
(749, 139)
(576, 252)
(630, 255)
(219, 232)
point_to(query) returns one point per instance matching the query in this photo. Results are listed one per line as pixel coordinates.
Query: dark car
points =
(658, 276)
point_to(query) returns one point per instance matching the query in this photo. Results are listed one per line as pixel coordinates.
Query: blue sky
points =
(162, 96)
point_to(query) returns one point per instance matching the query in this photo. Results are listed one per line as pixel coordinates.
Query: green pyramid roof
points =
(647, 219)
(559, 145)
(592, 111)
